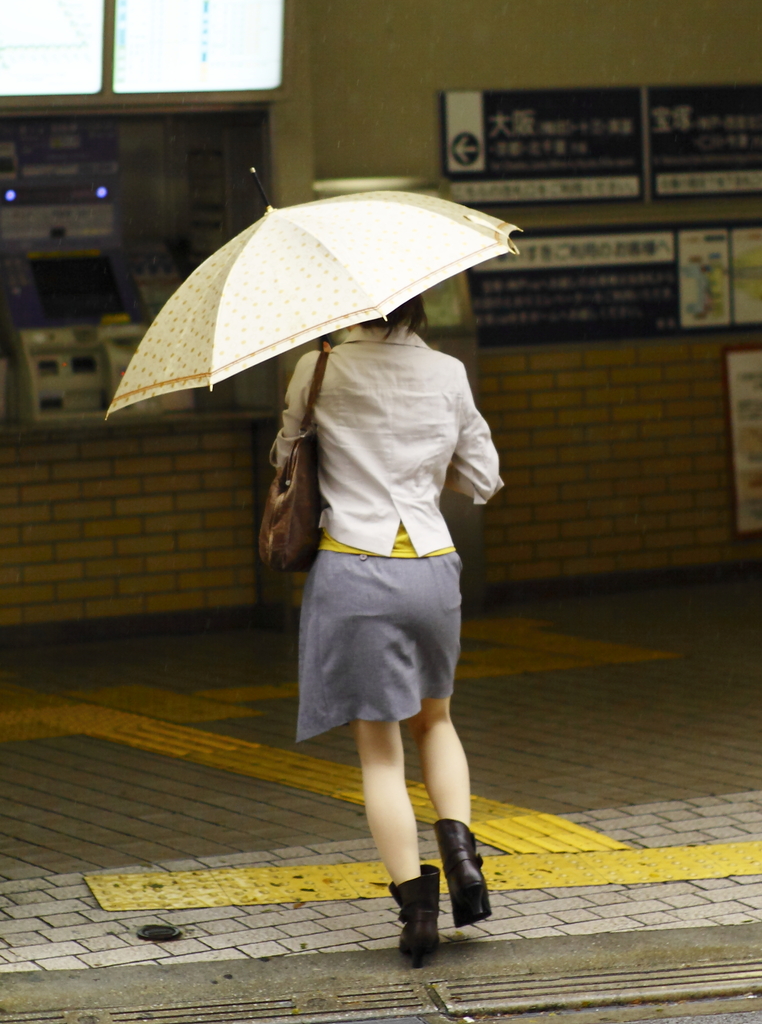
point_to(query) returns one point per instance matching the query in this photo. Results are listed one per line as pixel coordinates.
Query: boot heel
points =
(462, 865)
(418, 900)
(417, 951)
(417, 956)
(471, 905)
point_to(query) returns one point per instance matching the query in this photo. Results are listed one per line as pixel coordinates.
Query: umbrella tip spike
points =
(261, 190)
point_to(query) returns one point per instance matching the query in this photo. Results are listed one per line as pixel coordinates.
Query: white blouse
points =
(391, 416)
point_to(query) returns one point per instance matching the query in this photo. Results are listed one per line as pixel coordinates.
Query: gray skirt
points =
(375, 636)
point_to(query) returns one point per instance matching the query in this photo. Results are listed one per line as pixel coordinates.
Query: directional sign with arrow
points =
(543, 145)
(465, 148)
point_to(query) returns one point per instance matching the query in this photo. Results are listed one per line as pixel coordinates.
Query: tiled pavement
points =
(654, 754)
(53, 922)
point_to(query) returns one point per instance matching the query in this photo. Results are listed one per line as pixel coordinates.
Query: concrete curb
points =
(484, 978)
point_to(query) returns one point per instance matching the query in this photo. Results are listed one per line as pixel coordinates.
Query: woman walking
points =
(380, 620)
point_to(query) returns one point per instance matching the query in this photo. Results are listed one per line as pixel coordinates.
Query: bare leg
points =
(445, 773)
(387, 804)
(443, 760)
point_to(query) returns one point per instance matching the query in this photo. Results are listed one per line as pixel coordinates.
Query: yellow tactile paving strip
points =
(540, 833)
(27, 715)
(314, 883)
(509, 828)
(155, 720)
(164, 704)
(525, 645)
(544, 851)
(242, 694)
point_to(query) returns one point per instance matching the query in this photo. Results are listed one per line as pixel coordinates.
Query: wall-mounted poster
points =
(746, 248)
(704, 286)
(582, 286)
(543, 146)
(743, 380)
(705, 140)
(610, 282)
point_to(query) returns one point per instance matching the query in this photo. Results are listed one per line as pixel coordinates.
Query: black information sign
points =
(705, 140)
(610, 283)
(543, 146)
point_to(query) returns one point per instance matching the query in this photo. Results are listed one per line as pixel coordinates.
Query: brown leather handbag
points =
(290, 531)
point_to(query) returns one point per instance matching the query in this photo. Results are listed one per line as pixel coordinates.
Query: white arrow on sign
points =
(465, 148)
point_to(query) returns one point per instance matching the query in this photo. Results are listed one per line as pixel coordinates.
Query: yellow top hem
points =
(403, 547)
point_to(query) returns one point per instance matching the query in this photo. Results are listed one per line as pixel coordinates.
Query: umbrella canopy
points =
(301, 272)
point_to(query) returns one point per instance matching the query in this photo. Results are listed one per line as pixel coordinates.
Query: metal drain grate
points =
(374, 1005)
(87, 1017)
(389, 1001)
(36, 1018)
(214, 1013)
(597, 989)
(60, 1017)
(398, 997)
(219, 1013)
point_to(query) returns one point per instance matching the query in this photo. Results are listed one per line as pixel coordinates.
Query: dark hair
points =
(411, 314)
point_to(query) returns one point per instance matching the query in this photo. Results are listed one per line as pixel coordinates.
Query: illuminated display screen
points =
(76, 286)
(51, 48)
(197, 45)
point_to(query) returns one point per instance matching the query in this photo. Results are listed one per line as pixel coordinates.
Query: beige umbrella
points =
(301, 272)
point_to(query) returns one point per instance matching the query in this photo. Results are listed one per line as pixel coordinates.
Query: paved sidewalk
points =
(54, 923)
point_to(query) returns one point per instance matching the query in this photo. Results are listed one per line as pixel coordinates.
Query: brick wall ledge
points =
(616, 582)
(201, 620)
(68, 430)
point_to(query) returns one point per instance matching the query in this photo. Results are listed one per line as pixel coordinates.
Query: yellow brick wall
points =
(124, 522)
(614, 460)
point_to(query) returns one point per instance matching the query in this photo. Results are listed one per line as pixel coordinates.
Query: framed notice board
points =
(743, 392)
(609, 283)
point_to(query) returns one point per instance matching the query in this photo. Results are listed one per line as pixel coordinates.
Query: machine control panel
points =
(70, 316)
(73, 371)
(86, 286)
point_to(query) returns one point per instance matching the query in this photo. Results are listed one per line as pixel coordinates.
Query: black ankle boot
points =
(418, 900)
(462, 868)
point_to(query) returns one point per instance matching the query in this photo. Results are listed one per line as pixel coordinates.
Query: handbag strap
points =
(317, 382)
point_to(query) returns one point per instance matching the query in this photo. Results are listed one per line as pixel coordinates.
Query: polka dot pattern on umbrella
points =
(301, 272)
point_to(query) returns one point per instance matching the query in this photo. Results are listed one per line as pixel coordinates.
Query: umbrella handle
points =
(260, 186)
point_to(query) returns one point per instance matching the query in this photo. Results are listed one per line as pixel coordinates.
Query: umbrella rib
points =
(161, 383)
(334, 256)
(461, 263)
(274, 344)
(315, 329)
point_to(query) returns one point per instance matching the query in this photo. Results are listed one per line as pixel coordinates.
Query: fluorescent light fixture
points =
(170, 46)
(51, 48)
(327, 188)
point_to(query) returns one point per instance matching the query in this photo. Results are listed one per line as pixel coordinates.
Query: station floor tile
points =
(652, 750)
(53, 922)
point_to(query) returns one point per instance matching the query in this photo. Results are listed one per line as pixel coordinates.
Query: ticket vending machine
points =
(69, 311)
(124, 132)
(101, 218)
(70, 358)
